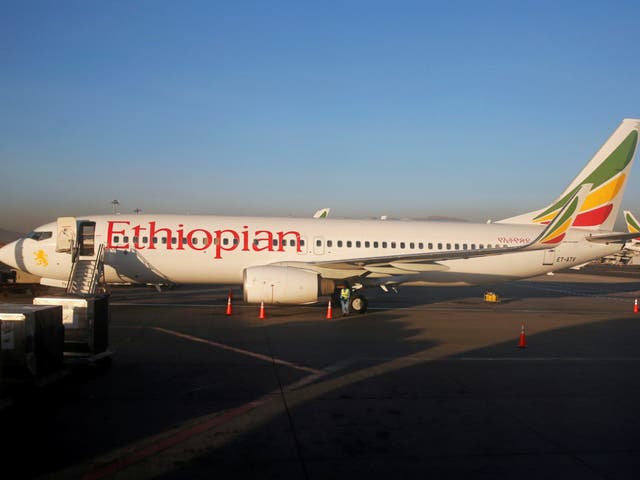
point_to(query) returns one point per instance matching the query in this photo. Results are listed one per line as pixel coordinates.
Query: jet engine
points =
(272, 284)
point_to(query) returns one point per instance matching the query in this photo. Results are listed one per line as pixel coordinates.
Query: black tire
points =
(358, 304)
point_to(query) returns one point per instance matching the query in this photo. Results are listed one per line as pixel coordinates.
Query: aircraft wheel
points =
(358, 304)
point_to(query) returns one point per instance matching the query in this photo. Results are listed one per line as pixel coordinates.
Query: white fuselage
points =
(217, 249)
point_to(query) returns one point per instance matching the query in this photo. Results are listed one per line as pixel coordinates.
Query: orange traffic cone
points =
(262, 316)
(523, 340)
(329, 311)
(229, 310)
(635, 306)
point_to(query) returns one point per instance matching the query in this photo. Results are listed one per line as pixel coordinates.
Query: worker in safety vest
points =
(345, 294)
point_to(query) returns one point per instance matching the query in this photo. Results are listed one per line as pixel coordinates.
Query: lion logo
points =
(41, 258)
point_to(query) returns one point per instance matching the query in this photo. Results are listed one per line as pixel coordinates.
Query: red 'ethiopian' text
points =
(224, 240)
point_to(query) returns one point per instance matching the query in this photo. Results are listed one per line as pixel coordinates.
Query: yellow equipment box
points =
(491, 297)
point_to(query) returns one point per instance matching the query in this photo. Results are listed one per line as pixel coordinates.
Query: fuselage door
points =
(66, 236)
(86, 238)
(549, 257)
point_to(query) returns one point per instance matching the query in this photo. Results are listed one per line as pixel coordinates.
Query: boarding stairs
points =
(86, 273)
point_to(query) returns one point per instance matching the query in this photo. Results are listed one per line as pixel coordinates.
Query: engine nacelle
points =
(283, 285)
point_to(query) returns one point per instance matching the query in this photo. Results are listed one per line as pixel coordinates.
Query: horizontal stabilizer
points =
(608, 238)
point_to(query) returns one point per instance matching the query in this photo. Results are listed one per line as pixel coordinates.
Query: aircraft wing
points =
(551, 236)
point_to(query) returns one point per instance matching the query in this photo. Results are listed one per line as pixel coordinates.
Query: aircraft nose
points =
(8, 255)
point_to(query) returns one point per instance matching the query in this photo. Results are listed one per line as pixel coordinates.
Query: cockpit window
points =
(38, 236)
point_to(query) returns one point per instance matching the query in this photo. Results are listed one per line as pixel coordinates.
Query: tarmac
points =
(430, 383)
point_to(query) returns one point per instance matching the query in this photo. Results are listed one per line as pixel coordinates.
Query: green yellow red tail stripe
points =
(608, 180)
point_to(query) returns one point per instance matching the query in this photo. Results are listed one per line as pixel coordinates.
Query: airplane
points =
(285, 260)
(633, 226)
(631, 249)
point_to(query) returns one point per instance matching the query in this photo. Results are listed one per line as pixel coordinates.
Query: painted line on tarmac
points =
(247, 353)
(380, 308)
(583, 292)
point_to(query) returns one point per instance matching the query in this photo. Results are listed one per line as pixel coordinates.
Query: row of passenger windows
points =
(195, 241)
(409, 245)
(319, 243)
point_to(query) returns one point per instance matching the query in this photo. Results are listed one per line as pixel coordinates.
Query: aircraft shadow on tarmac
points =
(398, 405)
(566, 407)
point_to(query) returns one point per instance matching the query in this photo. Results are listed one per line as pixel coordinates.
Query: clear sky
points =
(474, 109)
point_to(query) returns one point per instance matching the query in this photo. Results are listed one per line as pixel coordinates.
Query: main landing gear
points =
(357, 303)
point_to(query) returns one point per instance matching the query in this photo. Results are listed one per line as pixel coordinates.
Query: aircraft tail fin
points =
(632, 223)
(607, 171)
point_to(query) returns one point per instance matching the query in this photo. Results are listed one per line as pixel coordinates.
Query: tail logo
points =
(557, 234)
(608, 180)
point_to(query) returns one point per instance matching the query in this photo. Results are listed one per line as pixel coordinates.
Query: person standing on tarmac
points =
(345, 295)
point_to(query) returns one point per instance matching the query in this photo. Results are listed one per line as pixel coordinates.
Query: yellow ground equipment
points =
(491, 297)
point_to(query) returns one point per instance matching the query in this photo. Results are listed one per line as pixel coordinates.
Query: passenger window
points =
(145, 239)
(457, 246)
(329, 243)
(155, 240)
(473, 246)
(135, 239)
(225, 241)
(481, 246)
(430, 245)
(464, 246)
(384, 244)
(448, 246)
(174, 240)
(412, 246)
(402, 245)
(340, 243)
(194, 240)
(367, 244)
(393, 244)
(116, 239)
(164, 240)
(348, 243)
(439, 246)
(318, 243)
(125, 239)
(375, 244)
(358, 244)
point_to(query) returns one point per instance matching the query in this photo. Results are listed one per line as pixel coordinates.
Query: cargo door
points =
(66, 236)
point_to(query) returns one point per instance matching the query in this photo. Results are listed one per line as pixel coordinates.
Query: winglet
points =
(556, 230)
(322, 213)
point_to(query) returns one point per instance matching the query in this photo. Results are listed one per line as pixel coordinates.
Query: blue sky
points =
(409, 109)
